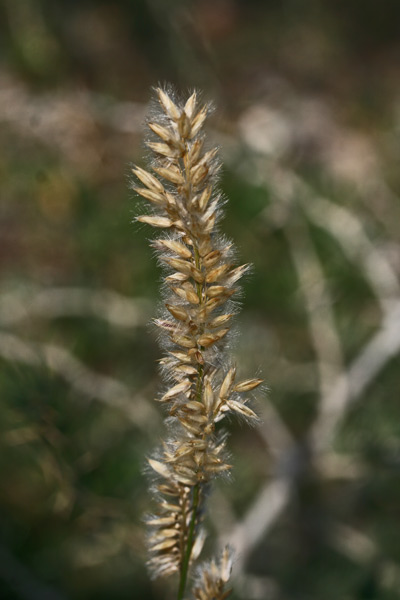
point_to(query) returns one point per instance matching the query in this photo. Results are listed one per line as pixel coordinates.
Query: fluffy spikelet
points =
(200, 281)
(212, 578)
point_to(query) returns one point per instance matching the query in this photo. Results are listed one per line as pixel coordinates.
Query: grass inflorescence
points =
(201, 280)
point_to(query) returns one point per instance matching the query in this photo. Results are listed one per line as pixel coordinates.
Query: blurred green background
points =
(307, 97)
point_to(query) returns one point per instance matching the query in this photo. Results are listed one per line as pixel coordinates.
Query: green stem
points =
(189, 543)
(198, 265)
(196, 489)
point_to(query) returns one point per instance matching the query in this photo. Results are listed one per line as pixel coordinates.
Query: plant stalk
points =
(189, 543)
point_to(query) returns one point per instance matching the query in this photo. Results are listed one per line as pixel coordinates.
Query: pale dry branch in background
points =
(262, 514)
(361, 373)
(318, 303)
(331, 465)
(256, 587)
(355, 544)
(362, 549)
(349, 233)
(83, 380)
(348, 230)
(295, 376)
(274, 432)
(31, 302)
(71, 122)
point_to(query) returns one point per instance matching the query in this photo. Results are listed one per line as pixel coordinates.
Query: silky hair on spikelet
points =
(210, 583)
(200, 285)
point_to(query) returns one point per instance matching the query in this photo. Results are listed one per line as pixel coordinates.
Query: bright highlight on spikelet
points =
(200, 281)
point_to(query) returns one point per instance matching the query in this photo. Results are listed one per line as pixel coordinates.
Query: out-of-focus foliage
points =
(308, 117)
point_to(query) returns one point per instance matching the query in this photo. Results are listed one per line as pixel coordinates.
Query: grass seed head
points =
(199, 281)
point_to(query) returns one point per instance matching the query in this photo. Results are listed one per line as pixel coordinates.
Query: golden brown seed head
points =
(200, 281)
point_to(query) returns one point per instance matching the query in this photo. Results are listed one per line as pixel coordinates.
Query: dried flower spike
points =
(201, 279)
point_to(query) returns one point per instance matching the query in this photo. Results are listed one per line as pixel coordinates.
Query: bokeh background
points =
(308, 120)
